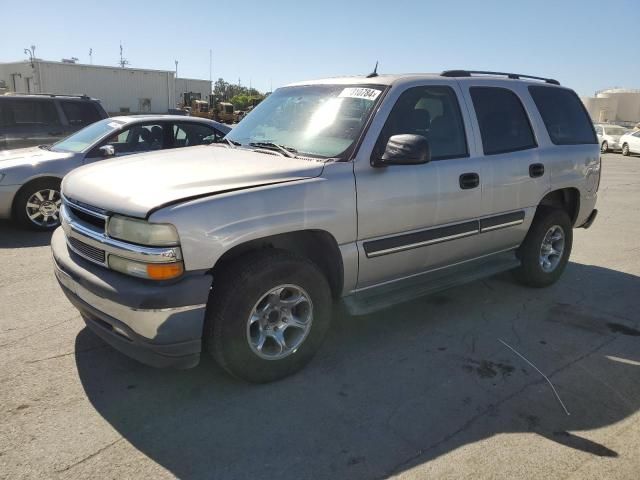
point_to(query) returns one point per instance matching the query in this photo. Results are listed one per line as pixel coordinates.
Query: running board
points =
(384, 296)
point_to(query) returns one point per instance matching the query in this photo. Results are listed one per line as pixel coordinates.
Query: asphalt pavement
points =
(422, 390)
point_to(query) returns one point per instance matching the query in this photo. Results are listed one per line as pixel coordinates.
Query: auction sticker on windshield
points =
(359, 92)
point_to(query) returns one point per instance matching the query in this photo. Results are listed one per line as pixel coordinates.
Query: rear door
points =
(30, 121)
(515, 174)
(412, 218)
(79, 114)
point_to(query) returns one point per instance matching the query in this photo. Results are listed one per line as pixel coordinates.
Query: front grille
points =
(86, 217)
(87, 251)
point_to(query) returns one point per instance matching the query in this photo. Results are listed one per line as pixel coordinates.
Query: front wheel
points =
(267, 315)
(37, 205)
(625, 150)
(546, 248)
(604, 148)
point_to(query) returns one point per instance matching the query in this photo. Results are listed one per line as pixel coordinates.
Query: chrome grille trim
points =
(87, 251)
(100, 241)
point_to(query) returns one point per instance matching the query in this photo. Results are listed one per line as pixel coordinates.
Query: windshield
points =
(614, 130)
(85, 138)
(315, 120)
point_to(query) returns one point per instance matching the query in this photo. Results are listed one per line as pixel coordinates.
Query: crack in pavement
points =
(99, 347)
(90, 456)
(13, 342)
(491, 408)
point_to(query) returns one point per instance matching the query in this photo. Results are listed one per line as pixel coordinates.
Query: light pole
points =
(176, 68)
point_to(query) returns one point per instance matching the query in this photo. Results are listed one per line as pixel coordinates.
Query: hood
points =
(137, 184)
(29, 156)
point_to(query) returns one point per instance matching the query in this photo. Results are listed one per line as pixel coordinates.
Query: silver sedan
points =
(30, 177)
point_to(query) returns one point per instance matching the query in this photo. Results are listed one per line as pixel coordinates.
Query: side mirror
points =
(107, 151)
(405, 149)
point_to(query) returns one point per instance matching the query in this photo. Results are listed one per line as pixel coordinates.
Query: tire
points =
(625, 150)
(533, 271)
(241, 290)
(37, 205)
(604, 148)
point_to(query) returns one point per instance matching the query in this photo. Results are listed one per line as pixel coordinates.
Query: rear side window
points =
(504, 125)
(564, 116)
(80, 113)
(30, 112)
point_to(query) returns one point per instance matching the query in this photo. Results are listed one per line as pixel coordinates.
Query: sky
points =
(587, 45)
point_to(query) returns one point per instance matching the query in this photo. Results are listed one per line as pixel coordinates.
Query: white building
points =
(121, 90)
(614, 105)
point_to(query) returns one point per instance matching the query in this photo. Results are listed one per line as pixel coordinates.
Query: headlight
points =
(142, 232)
(152, 271)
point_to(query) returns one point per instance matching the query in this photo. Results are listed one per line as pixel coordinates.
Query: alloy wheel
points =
(43, 208)
(552, 248)
(280, 322)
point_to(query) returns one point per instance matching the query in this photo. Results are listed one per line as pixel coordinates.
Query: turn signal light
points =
(164, 271)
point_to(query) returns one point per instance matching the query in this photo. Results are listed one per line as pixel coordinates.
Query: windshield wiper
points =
(285, 150)
(233, 143)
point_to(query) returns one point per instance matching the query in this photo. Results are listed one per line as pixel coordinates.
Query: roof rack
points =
(83, 96)
(513, 76)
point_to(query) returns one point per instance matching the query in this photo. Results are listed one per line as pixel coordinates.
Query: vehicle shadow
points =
(396, 389)
(13, 236)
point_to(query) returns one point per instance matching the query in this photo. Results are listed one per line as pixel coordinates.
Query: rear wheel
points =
(604, 148)
(545, 251)
(37, 205)
(267, 315)
(625, 150)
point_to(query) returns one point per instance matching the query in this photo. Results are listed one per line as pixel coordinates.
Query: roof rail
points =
(513, 76)
(84, 95)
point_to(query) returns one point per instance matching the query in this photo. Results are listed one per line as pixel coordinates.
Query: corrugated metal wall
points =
(121, 90)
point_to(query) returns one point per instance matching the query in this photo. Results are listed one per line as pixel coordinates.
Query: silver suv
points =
(373, 190)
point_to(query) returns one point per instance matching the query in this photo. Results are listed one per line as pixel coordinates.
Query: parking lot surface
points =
(422, 390)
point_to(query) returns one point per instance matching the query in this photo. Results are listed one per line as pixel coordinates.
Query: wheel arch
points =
(319, 246)
(567, 199)
(30, 182)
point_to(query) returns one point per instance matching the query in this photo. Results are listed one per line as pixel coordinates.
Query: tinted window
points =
(432, 112)
(31, 112)
(190, 134)
(564, 116)
(138, 138)
(504, 126)
(80, 113)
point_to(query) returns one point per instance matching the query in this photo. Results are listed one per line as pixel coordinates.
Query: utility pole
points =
(123, 61)
(210, 63)
(176, 62)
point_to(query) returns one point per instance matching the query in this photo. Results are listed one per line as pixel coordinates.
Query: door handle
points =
(536, 170)
(469, 180)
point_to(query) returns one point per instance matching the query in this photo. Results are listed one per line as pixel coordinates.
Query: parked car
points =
(630, 142)
(609, 136)
(370, 190)
(33, 119)
(30, 178)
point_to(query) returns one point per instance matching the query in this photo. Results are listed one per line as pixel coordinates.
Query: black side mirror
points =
(405, 149)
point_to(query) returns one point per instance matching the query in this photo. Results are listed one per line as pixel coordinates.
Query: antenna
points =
(123, 61)
(375, 71)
